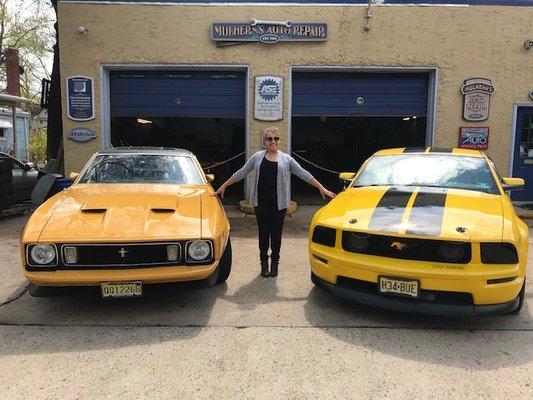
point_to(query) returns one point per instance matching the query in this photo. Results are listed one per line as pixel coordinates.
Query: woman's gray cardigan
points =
(286, 166)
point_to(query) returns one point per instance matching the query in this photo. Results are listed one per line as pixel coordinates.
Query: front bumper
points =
(410, 306)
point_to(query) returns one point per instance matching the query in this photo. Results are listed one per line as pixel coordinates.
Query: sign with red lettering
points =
(476, 98)
(474, 137)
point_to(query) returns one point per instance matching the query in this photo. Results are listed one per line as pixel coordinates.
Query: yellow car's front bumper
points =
(93, 277)
(446, 289)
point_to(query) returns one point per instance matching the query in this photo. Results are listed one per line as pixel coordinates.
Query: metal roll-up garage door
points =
(380, 94)
(338, 119)
(177, 93)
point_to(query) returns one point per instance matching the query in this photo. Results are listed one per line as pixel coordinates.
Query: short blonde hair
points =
(271, 129)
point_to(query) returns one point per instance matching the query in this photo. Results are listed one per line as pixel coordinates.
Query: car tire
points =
(521, 297)
(224, 266)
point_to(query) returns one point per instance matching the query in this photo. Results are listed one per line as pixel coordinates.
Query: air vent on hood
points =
(163, 210)
(94, 210)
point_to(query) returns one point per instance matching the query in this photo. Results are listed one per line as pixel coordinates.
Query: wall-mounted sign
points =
(82, 135)
(476, 98)
(474, 137)
(80, 98)
(269, 31)
(268, 98)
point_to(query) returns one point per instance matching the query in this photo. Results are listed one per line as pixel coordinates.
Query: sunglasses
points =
(270, 138)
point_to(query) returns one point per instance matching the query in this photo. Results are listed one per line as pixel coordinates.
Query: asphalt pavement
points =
(250, 338)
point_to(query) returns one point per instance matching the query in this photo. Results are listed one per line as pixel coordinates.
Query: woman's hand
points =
(220, 191)
(326, 193)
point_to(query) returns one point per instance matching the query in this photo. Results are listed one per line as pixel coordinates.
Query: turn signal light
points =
(71, 255)
(173, 252)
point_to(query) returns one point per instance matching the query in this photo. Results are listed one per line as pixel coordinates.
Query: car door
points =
(523, 153)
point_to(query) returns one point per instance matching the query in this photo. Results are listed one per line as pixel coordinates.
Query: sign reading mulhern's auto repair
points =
(476, 98)
(269, 31)
(268, 98)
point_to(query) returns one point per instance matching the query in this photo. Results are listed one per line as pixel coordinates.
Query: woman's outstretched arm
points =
(237, 176)
(305, 175)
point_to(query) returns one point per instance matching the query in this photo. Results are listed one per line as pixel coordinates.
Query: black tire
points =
(521, 297)
(224, 266)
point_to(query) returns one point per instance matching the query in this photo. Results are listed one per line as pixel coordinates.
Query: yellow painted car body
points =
(428, 218)
(113, 215)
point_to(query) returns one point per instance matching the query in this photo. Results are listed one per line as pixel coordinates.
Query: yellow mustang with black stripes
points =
(423, 230)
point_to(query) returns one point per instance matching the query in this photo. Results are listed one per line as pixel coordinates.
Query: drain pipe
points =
(368, 15)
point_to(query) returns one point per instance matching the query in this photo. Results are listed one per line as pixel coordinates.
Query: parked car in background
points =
(134, 216)
(24, 177)
(423, 231)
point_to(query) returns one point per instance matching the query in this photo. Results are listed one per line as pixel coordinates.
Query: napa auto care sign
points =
(268, 98)
(474, 138)
(476, 98)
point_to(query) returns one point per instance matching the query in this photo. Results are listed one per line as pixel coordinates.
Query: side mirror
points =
(345, 178)
(210, 177)
(74, 175)
(26, 167)
(513, 183)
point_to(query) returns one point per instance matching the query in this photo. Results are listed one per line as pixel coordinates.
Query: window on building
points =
(3, 133)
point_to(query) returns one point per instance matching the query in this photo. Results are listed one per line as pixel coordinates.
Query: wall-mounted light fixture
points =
(83, 30)
(143, 121)
(528, 44)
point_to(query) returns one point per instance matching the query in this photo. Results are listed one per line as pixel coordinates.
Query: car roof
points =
(430, 150)
(147, 150)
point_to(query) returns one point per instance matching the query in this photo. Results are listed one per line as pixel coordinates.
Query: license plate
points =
(121, 289)
(399, 286)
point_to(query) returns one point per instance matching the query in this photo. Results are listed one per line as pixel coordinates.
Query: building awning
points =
(5, 124)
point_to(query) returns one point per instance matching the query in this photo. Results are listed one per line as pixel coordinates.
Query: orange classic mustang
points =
(133, 216)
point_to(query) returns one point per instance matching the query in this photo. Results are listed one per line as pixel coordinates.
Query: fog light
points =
(71, 254)
(173, 252)
(43, 254)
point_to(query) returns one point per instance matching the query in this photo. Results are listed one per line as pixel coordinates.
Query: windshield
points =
(434, 170)
(141, 168)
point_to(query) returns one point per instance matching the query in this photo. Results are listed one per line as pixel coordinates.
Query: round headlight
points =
(199, 250)
(451, 252)
(358, 241)
(43, 254)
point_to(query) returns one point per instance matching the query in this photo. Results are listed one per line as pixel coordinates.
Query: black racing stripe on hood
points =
(414, 150)
(427, 213)
(390, 209)
(440, 150)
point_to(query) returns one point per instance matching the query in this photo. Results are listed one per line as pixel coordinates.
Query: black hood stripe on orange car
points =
(390, 209)
(427, 214)
(440, 150)
(414, 150)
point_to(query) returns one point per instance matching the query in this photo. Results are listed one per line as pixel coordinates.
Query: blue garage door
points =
(177, 94)
(382, 94)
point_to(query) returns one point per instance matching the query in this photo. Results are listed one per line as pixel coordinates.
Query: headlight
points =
(498, 253)
(324, 235)
(358, 241)
(451, 252)
(43, 254)
(199, 250)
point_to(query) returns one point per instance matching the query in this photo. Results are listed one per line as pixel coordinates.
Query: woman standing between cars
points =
(270, 194)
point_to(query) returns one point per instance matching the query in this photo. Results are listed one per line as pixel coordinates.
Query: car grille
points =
(426, 296)
(411, 249)
(123, 255)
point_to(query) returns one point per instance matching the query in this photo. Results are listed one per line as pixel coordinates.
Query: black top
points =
(267, 191)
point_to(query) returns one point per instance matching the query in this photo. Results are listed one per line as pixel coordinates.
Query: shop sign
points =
(268, 98)
(476, 98)
(82, 135)
(474, 138)
(269, 31)
(80, 98)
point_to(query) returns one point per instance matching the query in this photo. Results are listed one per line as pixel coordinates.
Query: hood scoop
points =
(94, 210)
(162, 210)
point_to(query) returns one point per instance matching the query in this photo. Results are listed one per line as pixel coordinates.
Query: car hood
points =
(446, 214)
(120, 212)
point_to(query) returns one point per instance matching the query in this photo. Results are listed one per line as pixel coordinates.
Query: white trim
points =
(513, 134)
(258, 4)
(432, 90)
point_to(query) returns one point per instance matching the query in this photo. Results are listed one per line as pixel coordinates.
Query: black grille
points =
(116, 255)
(405, 248)
(426, 296)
